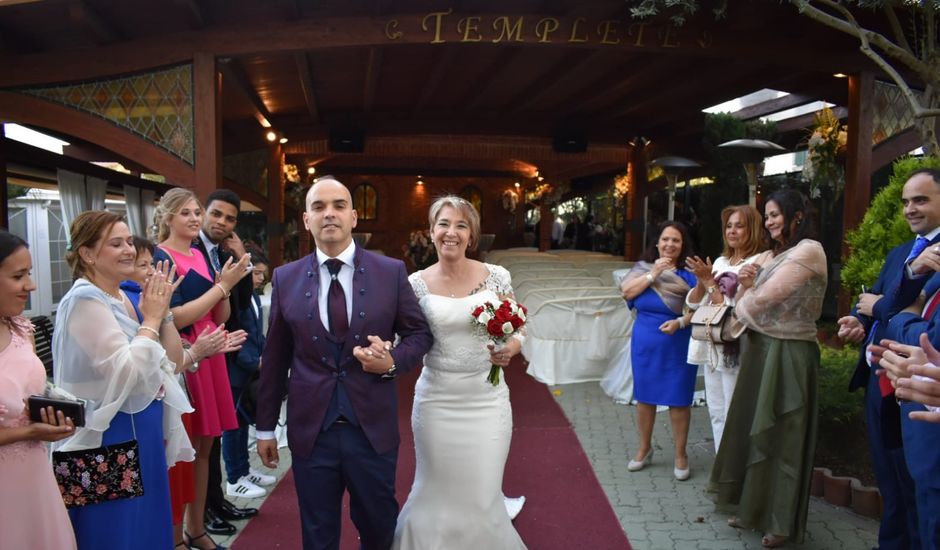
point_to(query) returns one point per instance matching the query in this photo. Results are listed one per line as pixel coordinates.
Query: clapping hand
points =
(747, 275)
(233, 272)
(851, 329)
(158, 290)
(895, 358)
(660, 265)
(702, 270)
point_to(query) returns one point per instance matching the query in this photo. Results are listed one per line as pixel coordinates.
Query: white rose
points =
(522, 315)
(484, 318)
(507, 328)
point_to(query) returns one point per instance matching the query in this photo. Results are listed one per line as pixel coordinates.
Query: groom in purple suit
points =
(333, 315)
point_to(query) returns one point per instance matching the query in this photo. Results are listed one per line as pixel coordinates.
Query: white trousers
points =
(719, 387)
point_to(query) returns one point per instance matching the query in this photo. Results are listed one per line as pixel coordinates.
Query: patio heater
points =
(754, 151)
(672, 167)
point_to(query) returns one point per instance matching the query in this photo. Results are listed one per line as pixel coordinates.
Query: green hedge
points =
(836, 366)
(882, 228)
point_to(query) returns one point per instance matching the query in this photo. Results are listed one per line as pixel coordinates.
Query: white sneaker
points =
(259, 478)
(244, 488)
(513, 505)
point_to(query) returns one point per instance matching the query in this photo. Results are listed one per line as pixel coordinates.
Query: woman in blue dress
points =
(655, 289)
(124, 369)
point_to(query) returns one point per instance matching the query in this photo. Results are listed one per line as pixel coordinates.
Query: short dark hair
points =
(141, 244)
(652, 252)
(932, 172)
(225, 195)
(257, 254)
(791, 203)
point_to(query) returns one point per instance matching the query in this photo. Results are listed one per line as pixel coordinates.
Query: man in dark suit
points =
(333, 314)
(904, 305)
(869, 322)
(218, 242)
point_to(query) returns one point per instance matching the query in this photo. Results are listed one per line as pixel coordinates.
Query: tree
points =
(908, 53)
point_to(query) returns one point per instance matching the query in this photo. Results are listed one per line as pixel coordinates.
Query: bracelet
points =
(649, 276)
(156, 334)
(225, 294)
(169, 318)
(682, 323)
(195, 364)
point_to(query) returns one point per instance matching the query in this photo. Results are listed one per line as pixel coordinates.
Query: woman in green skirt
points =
(764, 466)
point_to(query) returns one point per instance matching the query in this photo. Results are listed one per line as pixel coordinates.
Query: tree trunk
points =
(929, 126)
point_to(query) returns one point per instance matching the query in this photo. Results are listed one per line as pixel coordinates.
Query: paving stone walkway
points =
(659, 513)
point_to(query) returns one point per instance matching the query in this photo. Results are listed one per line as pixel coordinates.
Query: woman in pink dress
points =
(32, 513)
(200, 302)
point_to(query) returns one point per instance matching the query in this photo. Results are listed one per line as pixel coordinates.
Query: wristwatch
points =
(390, 373)
(710, 289)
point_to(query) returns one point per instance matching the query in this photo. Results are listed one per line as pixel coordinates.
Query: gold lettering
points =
(574, 31)
(507, 30)
(705, 41)
(637, 30)
(607, 28)
(545, 27)
(390, 30)
(438, 20)
(668, 35)
(468, 25)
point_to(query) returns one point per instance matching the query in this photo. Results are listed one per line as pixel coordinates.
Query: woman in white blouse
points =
(743, 237)
(124, 370)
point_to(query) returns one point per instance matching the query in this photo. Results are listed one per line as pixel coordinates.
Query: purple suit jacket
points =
(299, 358)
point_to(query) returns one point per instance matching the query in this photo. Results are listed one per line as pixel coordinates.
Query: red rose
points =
(516, 323)
(477, 311)
(495, 327)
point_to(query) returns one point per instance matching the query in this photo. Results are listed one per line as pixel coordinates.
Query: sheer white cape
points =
(99, 358)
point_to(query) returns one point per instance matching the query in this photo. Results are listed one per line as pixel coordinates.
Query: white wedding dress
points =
(462, 427)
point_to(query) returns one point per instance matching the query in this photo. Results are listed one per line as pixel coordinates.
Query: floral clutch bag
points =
(90, 476)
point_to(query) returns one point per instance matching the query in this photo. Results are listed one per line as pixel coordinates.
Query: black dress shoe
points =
(217, 525)
(233, 513)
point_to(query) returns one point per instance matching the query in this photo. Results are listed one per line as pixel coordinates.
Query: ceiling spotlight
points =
(271, 136)
(419, 182)
(282, 141)
(541, 178)
(311, 170)
(517, 185)
(840, 75)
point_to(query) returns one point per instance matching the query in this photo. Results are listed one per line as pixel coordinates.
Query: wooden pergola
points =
(480, 93)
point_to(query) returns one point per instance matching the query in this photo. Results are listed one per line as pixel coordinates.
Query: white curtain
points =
(134, 213)
(78, 193)
(147, 209)
(94, 192)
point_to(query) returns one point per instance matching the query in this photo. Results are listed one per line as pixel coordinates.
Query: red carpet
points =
(565, 505)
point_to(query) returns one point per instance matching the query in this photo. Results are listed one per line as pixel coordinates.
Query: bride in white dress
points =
(462, 424)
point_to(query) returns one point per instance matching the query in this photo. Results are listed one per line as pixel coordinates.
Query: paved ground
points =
(656, 511)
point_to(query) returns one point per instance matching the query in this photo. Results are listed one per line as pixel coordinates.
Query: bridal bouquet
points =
(498, 323)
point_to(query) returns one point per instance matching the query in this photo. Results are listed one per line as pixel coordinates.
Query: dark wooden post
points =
(207, 85)
(4, 208)
(275, 211)
(857, 194)
(633, 219)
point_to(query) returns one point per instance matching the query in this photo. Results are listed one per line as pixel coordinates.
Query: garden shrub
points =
(882, 228)
(836, 366)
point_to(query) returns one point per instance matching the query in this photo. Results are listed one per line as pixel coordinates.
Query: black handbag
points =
(102, 474)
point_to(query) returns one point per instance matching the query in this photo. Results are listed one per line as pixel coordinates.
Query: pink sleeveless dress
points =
(32, 514)
(208, 387)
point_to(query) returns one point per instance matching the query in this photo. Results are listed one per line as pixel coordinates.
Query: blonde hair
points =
(464, 207)
(87, 231)
(171, 203)
(753, 223)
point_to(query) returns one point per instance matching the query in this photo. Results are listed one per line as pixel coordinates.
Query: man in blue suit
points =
(333, 314)
(868, 323)
(910, 315)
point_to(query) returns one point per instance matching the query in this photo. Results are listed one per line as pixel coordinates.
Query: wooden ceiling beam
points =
(99, 29)
(373, 69)
(306, 84)
(443, 62)
(234, 74)
(474, 95)
(567, 68)
(805, 121)
(13, 40)
(193, 14)
(771, 106)
(290, 9)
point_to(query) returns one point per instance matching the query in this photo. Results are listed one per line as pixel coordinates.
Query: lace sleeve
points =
(418, 285)
(500, 282)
